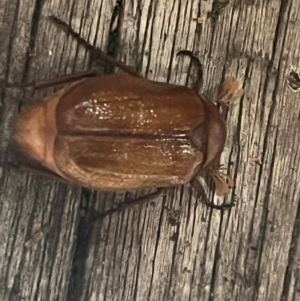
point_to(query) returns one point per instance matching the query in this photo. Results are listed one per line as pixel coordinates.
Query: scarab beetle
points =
(123, 132)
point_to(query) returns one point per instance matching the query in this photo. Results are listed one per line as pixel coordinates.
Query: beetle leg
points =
(129, 202)
(97, 51)
(198, 64)
(198, 187)
(33, 169)
(53, 82)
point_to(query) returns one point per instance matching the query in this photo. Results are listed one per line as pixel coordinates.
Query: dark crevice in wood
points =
(159, 227)
(140, 254)
(239, 252)
(77, 284)
(149, 30)
(12, 36)
(215, 268)
(71, 12)
(264, 223)
(113, 44)
(189, 214)
(56, 223)
(168, 292)
(292, 263)
(104, 236)
(7, 66)
(194, 275)
(36, 16)
(111, 256)
(162, 38)
(94, 42)
(174, 45)
(205, 251)
(139, 48)
(43, 260)
(216, 10)
(15, 291)
(125, 247)
(112, 275)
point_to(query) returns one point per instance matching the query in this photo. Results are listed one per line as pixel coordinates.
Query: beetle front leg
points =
(95, 50)
(198, 64)
(198, 187)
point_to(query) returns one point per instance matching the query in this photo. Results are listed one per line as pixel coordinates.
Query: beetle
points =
(124, 132)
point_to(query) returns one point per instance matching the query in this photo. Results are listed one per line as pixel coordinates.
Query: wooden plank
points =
(175, 248)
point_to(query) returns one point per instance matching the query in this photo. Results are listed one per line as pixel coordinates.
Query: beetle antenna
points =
(196, 61)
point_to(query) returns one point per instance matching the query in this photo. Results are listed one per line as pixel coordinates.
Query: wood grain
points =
(52, 245)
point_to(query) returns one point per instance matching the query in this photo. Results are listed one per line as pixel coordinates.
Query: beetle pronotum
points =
(123, 132)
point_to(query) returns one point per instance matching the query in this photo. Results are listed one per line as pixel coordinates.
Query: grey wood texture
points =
(51, 245)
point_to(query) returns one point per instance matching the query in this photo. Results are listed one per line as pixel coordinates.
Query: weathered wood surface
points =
(53, 249)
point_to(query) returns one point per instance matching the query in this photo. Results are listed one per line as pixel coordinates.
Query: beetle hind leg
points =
(129, 202)
(37, 170)
(95, 50)
(69, 30)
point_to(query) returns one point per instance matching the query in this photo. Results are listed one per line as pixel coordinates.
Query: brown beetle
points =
(124, 132)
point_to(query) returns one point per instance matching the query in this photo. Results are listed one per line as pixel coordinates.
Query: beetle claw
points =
(223, 206)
